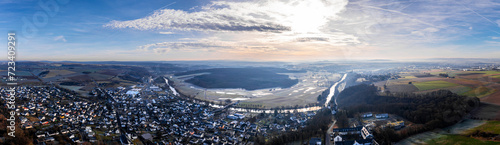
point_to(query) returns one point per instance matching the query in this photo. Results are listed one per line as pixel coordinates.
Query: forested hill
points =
(433, 110)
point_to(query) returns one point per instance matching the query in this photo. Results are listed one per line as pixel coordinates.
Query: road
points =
(328, 132)
(110, 106)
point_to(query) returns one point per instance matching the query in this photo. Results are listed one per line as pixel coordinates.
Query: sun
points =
(309, 16)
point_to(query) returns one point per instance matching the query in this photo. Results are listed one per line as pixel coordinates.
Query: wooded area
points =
(431, 110)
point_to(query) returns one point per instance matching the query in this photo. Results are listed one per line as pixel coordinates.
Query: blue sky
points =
(253, 30)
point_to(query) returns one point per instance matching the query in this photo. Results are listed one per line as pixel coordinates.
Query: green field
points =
(461, 90)
(486, 73)
(431, 85)
(453, 139)
(490, 126)
(54, 73)
(440, 72)
(409, 77)
(480, 91)
(497, 76)
(459, 140)
(22, 73)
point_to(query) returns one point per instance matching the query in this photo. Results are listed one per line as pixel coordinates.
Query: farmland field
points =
(431, 85)
(98, 76)
(18, 73)
(402, 88)
(480, 91)
(462, 139)
(487, 111)
(482, 84)
(73, 88)
(490, 126)
(54, 73)
(460, 89)
(485, 73)
(431, 137)
(23, 73)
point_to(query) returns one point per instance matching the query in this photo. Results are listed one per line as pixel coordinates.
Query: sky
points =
(251, 30)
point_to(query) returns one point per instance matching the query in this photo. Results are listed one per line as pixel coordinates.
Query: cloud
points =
(308, 39)
(492, 42)
(318, 27)
(498, 23)
(212, 20)
(60, 38)
(425, 31)
(80, 30)
(391, 24)
(166, 33)
(204, 45)
(259, 15)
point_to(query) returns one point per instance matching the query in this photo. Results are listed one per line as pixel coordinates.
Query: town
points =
(117, 116)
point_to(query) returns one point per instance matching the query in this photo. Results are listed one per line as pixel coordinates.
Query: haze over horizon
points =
(252, 30)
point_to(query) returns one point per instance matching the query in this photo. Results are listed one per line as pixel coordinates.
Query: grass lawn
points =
(459, 140)
(490, 126)
(431, 85)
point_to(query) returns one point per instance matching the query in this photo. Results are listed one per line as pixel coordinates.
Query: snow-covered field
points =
(311, 84)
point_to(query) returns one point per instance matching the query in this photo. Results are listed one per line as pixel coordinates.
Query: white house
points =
(366, 115)
(337, 138)
(379, 116)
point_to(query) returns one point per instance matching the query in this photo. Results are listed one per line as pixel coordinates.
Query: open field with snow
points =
(306, 91)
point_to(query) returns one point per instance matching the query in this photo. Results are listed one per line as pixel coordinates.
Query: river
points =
(171, 88)
(333, 89)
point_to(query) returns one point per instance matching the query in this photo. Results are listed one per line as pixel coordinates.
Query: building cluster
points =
(352, 136)
(57, 113)
(383, 120)
(112, 115)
